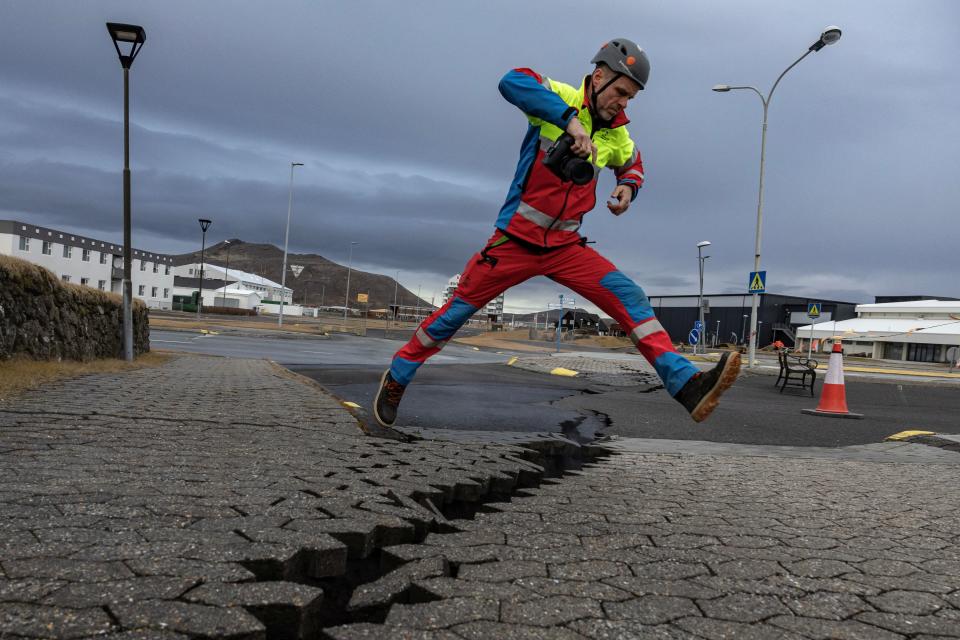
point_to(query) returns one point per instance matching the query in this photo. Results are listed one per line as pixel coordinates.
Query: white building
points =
(493, 308)
(90, 262)
(919, 331)
(268, 289)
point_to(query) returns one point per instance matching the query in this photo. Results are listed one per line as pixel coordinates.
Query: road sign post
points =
(756, 284)
(813, 312)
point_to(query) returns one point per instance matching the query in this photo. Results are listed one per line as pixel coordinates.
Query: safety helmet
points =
(623, 56)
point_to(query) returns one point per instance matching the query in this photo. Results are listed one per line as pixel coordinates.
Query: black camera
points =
(565, 165)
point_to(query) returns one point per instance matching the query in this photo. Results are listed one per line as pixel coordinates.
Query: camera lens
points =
(579, 171)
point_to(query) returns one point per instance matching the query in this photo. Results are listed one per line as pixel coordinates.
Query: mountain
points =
(322, 281)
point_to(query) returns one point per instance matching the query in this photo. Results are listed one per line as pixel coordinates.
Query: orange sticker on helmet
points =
(630, 60)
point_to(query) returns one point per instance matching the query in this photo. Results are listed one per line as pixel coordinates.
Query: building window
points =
(67, 251)
(65, 278)
(85, 281)
(156, 267)
(102, 285)
(85, 256)
(47, 248)
(103, 257)
(166, 271)
(143, 265)
(24, 243)
(153, 292)
(141, 289)
(166, 293)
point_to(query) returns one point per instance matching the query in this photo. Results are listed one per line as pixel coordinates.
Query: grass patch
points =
(22, 374)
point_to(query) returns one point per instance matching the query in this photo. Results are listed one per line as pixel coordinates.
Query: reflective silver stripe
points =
(427, 341)
(544, 221)
(546, 82)
(644, 330)
(631, 174)
(545, 142)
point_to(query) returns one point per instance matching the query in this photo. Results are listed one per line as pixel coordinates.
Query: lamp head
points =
(204, 224)
(130, 34)
(703, 243)
(829, 36)
(721, 87)
(296, 164)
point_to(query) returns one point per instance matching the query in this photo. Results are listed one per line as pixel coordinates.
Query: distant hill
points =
(321, 281)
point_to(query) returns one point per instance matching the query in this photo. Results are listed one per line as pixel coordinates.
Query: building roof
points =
(887, 329)
(919, 306)
(238, 290)
(243, 276)
(17, 228)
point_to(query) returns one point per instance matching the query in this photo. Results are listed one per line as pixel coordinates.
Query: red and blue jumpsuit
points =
(537, 234)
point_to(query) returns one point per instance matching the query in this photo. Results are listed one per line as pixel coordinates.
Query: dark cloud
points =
(409, 148)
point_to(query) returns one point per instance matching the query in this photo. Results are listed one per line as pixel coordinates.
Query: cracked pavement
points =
(774, 543)
(221, 498)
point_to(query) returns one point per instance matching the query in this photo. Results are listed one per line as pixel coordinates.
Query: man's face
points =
(614, 98)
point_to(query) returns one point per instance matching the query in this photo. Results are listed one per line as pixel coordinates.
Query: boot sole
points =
(376, 414)
(710, 401)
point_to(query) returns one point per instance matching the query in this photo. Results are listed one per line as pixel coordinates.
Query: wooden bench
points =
(799, 368)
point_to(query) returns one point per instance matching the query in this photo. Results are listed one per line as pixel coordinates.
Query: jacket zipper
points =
(565, 198)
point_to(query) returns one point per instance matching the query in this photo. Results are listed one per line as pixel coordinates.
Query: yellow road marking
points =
(903, 372)
(560, 371)
(512, 360)
(903, 435)
(352, 405)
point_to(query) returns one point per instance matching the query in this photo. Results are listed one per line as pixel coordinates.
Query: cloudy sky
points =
(408, 146)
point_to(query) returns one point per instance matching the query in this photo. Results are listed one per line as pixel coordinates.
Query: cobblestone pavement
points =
(702, 543)
(219, 498)
(213, 497)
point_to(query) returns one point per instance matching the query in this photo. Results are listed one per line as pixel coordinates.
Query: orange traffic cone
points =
(833, 397)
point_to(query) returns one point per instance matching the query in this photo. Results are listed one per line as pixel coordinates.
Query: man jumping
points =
(573, 134)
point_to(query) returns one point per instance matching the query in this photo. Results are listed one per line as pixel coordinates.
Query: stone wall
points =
(44, 318)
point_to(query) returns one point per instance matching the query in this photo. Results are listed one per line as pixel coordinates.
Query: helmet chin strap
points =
(595, 94)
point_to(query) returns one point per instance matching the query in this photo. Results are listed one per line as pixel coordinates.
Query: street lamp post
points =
(204, 225)
(703, 333)
(346, 302)
(829, 36)
(226, 274)
(135, 36)
(417, 317)
(743, 328)
(396, 288)
(286, 241)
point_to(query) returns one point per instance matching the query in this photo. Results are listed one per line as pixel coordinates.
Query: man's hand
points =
(621, 195)
(582, 144)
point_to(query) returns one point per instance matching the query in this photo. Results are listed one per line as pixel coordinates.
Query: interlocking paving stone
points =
(94, 594)
(818, 629)
(550, 611)
(190, 619)
(443, 613)
(52, 622)
(488, 630)
(651, 610)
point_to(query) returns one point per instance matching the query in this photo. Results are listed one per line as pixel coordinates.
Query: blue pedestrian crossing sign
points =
(698, 325)
(758, 282)
(813, 310)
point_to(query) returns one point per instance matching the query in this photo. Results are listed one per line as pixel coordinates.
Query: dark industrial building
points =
(729, 316)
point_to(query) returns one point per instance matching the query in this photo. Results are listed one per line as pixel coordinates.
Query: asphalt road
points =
(466, 389)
